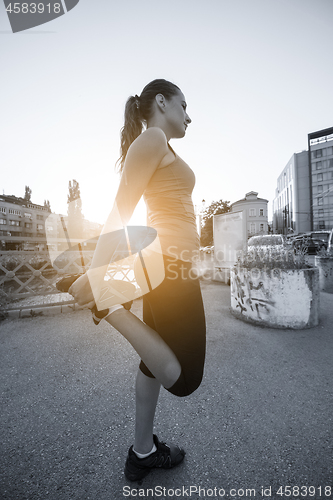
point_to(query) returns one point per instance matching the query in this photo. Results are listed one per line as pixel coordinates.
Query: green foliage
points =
(215, 208)
(326, 253)
(273, 258)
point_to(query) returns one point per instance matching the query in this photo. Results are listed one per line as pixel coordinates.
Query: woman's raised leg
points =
(154, 352)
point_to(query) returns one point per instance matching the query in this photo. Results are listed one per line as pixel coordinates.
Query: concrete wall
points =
(280, 299)
(325, 266)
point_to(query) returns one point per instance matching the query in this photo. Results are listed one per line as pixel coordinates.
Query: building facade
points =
(22, 224)
(27, 226)
(304, 195)
(320, 147)
(291, 205)
(255, 210)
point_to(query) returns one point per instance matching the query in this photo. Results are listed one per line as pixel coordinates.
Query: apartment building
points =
(22, 224)
(320, 146)
(255, 210)
(304, 195)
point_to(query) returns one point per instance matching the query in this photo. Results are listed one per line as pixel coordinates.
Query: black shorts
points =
(175, 311)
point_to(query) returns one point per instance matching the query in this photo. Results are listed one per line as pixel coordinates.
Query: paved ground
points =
(261, 418)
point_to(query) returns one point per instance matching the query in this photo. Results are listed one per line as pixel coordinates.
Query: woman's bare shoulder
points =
(151, 141)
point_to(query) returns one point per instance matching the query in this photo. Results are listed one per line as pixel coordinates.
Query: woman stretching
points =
(172, 337)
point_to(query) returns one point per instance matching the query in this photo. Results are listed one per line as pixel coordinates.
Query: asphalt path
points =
(261, 420)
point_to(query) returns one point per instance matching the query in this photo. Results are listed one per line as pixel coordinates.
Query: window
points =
(3, 210)
(28, 225)
(3, 222)
(261, 212)
(27, 215)
(330, 163)
(14, 223)
(330, 151)
(318, 165)
(321, 212)
(319, 177)
(252, 228)
(321, 224)
(12, 211)
(40, 227)
(261, 227)
(40, 217)
(320, 201)
(252, 212)
(320, 188)
(318, 153)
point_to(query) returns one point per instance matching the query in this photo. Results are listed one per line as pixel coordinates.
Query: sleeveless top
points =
(170, 209)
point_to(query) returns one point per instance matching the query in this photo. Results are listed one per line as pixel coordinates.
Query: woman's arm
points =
(142, 160)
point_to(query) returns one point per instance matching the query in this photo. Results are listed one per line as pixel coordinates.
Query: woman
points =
(171, 340)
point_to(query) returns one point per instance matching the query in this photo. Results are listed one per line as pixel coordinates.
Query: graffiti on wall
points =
(249, 295)
(284, 299)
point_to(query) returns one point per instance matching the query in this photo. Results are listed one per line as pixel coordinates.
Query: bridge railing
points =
(31, 274)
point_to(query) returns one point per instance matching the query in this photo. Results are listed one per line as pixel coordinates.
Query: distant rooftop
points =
(251, 196)
(22, 202)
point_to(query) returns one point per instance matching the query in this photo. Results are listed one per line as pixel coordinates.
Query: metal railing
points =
(26, 274)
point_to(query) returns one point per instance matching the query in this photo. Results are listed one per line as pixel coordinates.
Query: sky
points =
(257, 76)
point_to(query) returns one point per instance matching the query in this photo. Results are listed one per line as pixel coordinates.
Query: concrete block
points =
(278, 298)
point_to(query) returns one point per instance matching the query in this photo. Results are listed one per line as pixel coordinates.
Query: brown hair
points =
(137, 112)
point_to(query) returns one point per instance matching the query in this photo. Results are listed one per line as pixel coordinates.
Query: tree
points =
(27, 195)
(75, 216)
(215, 208)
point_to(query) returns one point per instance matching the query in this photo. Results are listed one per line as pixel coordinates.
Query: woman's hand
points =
(82, 293)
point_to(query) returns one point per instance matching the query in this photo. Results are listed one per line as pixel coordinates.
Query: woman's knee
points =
(183, 387)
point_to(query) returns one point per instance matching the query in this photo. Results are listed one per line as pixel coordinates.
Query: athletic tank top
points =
(170, 209)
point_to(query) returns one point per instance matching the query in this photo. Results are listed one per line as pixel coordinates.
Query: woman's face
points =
(176, 116)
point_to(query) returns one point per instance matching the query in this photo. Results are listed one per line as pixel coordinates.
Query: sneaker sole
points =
(136, 476)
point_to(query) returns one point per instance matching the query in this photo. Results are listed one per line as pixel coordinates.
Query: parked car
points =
(322, 237)
(330, 241)
(311, 242)
(266, 242)
(209, 249)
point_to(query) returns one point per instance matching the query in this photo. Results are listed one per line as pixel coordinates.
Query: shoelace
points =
(163, 455)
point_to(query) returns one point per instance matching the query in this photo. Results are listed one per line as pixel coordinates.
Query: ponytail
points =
(138, 110)
(132, 128)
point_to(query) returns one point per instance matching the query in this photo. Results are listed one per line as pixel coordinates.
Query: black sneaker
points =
(164, 457)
